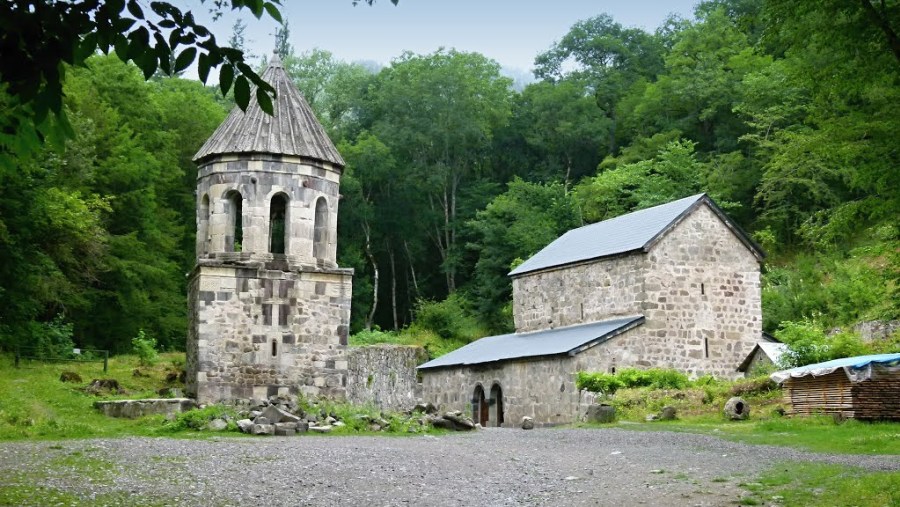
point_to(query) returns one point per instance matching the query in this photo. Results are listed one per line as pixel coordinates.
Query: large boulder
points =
(277, 415)
(667, 413)
(460, 422)
(736, 409)
(599, 413)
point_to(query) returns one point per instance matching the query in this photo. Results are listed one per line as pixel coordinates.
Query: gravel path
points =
(485, 468)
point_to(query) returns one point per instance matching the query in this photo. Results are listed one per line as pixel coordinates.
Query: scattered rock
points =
(263, 429)
(171, 392)
(261, 419)
(171, 376)
(70, 376)
(527, 423)
(377, 427)
(736, 409)
(338, 424)
(302, 427)
(426, 408)
(330, 420)
(277, 415)
(651, 417)
(320, 429)
(284, 432)
(138, 373)
(245, 425)
(217, 425)
(460, 422)
(600, 413)
(104, 386)
(667, 413)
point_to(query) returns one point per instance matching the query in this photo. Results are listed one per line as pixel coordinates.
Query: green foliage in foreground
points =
(609, 383)
(802, 484)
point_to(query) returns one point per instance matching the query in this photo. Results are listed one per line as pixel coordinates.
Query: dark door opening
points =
(480, 407)
(496, 413)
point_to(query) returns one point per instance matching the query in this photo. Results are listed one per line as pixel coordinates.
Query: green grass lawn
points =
(817, 434)
(34, 403)
(806, 484)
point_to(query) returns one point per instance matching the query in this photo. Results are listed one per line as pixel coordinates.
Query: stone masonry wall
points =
(256, 332)
(578, 294)
(701, 298)
(384, 376)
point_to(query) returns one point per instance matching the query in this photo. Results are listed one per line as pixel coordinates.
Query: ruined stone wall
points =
(258, 178)
(384, 376)
(702, 298)
(578, 294)
(256, 332)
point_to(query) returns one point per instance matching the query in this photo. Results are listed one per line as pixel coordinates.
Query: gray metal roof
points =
(564, 340)
(626, 233)
(293, 130)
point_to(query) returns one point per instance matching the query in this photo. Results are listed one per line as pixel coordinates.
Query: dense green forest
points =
(785, 112)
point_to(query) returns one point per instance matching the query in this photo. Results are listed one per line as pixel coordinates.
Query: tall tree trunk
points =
(881, 20)
(393, 286)
(412, 268)
(370, 318)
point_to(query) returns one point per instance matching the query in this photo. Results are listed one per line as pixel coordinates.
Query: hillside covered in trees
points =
(786, 112)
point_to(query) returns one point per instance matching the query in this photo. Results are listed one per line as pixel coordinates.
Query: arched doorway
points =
(479, 406)
(496, 403)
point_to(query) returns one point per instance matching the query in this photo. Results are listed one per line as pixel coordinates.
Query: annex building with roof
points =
(672, 286)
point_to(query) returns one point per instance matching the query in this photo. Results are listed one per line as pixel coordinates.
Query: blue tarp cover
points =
(858, 368)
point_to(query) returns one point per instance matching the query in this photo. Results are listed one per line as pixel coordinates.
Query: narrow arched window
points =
(203, 225)
(320, 230)
(277, 224)
(274, 348)
(234, 208)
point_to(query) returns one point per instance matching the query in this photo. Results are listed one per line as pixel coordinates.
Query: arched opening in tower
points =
(235, 212)
(203, 226)
(320, 234)
(278, 224)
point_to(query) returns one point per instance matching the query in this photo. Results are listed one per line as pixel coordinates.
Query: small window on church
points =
(234, 203)
(702, 289)
(274, 348)
(277, 224)
(706, 347)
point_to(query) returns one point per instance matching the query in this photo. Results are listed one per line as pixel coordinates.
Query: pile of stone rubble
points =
(283, 416)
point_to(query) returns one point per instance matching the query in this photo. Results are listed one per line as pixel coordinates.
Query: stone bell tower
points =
(269, 307)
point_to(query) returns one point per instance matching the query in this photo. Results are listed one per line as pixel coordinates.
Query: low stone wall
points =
(384, 375)
(132, 409)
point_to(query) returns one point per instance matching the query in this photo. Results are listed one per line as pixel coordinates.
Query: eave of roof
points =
(634, 232)
(292, 129)
(569, 340)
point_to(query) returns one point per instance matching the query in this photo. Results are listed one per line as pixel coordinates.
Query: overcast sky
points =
(512, 32)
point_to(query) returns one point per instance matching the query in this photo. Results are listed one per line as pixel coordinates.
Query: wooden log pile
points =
(875, 399)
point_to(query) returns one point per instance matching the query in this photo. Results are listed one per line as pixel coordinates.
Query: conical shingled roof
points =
(293, 130)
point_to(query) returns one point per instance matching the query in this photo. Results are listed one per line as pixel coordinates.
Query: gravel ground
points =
(486, 468)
